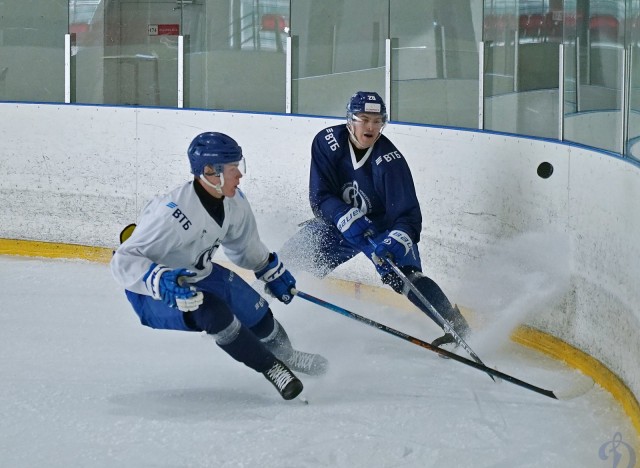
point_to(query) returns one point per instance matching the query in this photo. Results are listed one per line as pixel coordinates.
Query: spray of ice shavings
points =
(515, 278)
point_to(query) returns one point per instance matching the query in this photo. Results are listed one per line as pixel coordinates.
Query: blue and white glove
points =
(355, 227)
(279, 281)
(166, 285)
(395, 246)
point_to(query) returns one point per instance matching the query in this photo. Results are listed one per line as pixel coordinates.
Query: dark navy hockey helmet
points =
(366, 101)
(212, 149)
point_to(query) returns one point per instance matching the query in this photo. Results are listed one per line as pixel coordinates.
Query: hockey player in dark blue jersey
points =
(360, 186)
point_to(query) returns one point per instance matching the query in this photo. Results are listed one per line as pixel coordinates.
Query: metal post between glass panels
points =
(626, 81)
(67, 68)
(387, 75)
(180, 72)
(288, 75)
(561, 92)
(578, 76)
(481, 85)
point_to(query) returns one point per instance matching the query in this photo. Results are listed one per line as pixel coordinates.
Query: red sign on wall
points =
(164, 30)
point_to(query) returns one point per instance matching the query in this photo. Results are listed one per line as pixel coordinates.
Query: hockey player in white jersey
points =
(172, 283)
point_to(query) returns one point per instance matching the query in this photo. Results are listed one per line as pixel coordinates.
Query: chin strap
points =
(216, 187)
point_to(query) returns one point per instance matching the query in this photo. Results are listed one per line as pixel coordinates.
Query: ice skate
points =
(279, 344)
(446, 342)
(307, 363)
(287, 384)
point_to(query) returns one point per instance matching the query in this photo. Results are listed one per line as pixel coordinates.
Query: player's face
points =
(232, 176)
(232, 173)
(367, 127)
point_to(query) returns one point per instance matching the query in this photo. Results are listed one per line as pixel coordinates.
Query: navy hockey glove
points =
(355, 227)
(279, 281)
(166, 285)
(395, 246)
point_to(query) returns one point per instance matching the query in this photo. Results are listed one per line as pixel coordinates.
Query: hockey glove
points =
(166, 285)
(279, 281)
(395, 246)
(355, 227)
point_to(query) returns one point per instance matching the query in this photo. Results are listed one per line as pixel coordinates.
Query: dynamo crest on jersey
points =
(352, 195)
(206, 256)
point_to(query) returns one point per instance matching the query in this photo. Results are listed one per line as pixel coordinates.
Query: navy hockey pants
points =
(227, 286)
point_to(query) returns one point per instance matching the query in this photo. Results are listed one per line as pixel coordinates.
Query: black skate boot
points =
(284, 380)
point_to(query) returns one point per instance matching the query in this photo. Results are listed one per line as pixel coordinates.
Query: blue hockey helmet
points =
(212, 149)
(366, 101)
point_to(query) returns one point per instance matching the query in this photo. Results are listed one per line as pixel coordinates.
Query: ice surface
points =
(85, 385)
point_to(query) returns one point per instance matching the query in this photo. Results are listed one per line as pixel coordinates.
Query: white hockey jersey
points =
(175, 230)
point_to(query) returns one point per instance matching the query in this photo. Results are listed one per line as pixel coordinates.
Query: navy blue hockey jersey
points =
(380, 184)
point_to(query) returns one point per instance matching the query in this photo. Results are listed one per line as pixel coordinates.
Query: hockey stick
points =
(441, 321)
(567, 395)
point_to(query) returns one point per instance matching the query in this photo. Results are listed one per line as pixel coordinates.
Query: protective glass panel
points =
(599, 59)
(141, 53)
(32, 50)
(87, 29)
(633, 35)
(572, 31)
(434, 61)
(338, 49)
(235, 54)
(522, 44)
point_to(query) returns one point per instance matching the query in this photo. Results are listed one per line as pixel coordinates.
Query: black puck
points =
(545, 170)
